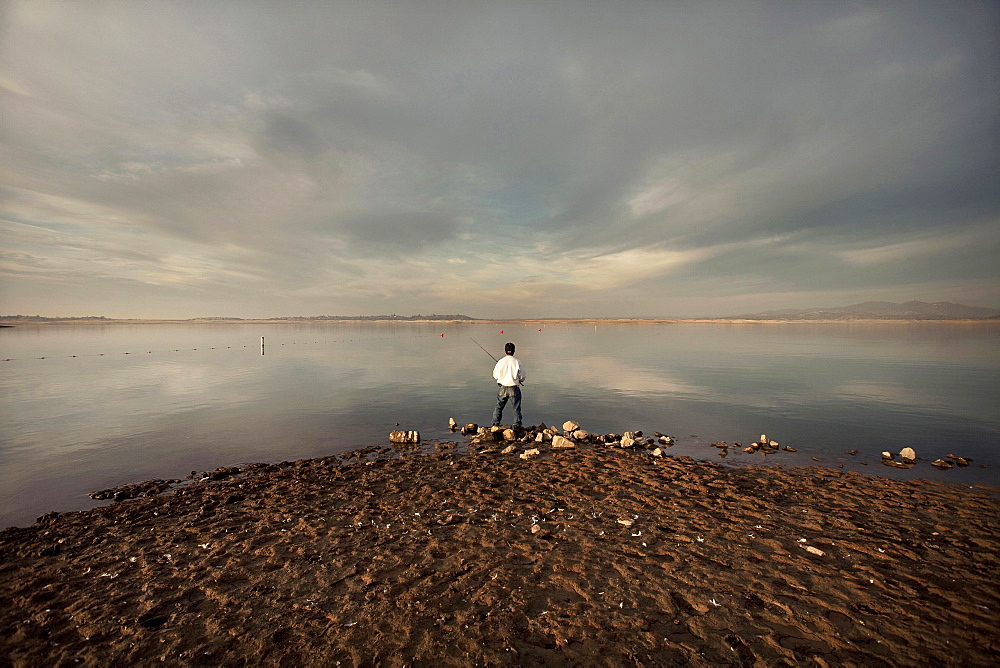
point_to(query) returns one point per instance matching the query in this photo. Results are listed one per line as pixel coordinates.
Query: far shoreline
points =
(90, 322)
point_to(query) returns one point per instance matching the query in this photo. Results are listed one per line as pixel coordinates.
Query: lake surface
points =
(91, 407)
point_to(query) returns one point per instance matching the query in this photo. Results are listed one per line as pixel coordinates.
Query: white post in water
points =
(262, 346)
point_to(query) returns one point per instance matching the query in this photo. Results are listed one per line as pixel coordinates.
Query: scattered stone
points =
(908, 455)
(562, 443)
(581, 435)
(528, 454)
(789, 448)
(535, 528)
(941, 464)
(886, 455)
(814, 550)
(147, 488)
(960, 461)
(625, 522)
(452, 424)
(666, 440)
(773, 444)
(720, 444)
(570, 426)
(627, 440)
(404, 437)
(852, 452)
(657, 452)
(509, 435)
(508, 450)
(470, 428)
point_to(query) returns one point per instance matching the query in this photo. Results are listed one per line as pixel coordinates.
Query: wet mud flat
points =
(594, 556)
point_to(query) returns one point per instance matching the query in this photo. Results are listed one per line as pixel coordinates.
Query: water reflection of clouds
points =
(886, 392)
(612, 374)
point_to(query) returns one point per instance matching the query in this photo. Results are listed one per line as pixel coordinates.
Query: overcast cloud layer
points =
(499, 159)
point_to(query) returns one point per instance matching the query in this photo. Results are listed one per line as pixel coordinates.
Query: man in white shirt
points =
(509, 376)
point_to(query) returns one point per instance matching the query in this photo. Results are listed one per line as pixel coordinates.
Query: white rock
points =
(570, 426)
(404, 437)
(627, 441)
(657, 453)
(509, 449)
(886, 455)
(509, 435)
(581, 435)
(908, 455)
(528, 454)
(814, 550)
(666, 440)
(561, 442)
(451, 422)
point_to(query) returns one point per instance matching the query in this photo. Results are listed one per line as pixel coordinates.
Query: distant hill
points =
(880, 311)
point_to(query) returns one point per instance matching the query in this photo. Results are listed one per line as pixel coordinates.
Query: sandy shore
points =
(596, 556)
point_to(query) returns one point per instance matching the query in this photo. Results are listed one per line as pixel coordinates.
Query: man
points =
(509, 376)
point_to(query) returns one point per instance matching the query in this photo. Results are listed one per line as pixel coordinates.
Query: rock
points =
(852, 452)
(908, 455)
(509, 435)
(814, 550)
(570, 426)
(562, 443)
(773, 444)
(469, 429)
(763, 439)
(404, 437)
(535, 528)
(452, 423)
(508, 450)
(941, 464)
(581, 434)
(657, 452)
(789, 448)
(720, 444)
(887, 455)
(625, 522)
(540, 437)
(666, 440)
(749, 449)
(528, 454)
(961, 461)
(627, 440)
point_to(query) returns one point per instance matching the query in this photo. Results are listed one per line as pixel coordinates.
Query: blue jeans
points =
(503, 394)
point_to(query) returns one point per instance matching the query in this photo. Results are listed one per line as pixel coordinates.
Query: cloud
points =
(509, 157)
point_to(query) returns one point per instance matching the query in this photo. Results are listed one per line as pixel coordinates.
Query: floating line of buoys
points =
(180, 350)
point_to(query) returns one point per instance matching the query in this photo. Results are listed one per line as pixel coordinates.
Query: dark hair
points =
(509, 348)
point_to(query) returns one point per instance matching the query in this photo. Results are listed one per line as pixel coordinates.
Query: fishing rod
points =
(484, 350)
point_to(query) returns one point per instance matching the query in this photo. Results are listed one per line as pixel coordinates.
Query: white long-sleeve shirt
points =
(508, 371)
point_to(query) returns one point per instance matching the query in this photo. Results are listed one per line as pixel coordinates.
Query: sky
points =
(497, 159)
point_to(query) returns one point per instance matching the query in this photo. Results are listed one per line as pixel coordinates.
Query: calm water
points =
(200, 396)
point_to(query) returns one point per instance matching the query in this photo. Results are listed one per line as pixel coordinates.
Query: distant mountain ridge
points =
(912, 310)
